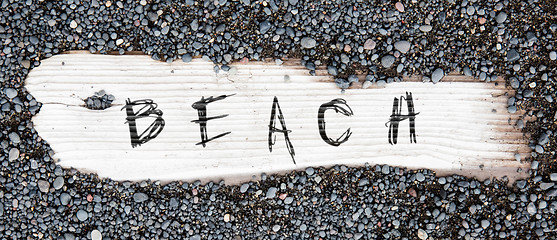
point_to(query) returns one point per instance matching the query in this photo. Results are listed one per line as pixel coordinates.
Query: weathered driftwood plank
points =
(462, 126)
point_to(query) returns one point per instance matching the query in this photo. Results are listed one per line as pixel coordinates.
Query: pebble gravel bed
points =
(382, 40)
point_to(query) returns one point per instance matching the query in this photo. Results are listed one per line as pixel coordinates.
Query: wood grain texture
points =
(463, 125)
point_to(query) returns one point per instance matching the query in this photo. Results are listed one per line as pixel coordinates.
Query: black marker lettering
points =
(283, 130)
(201, 107)
(149, 109)
(340, 106)
(397, 117)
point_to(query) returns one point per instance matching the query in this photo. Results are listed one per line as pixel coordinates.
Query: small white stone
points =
(119, 41)
(227, 217)
(13, 154)
(422, 234)
(143, 2)
(96, 235)
(553, 55)
(73, 24)
(366, 84)
(532, 84)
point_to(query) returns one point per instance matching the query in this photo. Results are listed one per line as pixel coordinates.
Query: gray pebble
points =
(514, 82)
(310, 171)
(276, 228)
(308, 42)
(369, 44)
(539, 149)
(332, 70)
(342, 83)
(288, 200)
(65, 198)
(470, 10)
(543, 139)
(544, 186)
(501, 17)
(531, 208)
(186, 58)
(437, 75)
(385, 169)
(553, 55)
(512, 109)
(82, 215)
(271, 192)
(140, 197)
(14, 137)
(485, 223)
(13, 154)
(10, 93)
(553, 177)
(402, 46)
(43, 185)
(420, 177)
(366, 84)
(264, 27)
(58, 183)
(512, 55)
(426, 28)
(244, 188)
(387, 61)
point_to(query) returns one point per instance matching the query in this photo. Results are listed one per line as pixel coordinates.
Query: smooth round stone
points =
(288, 200)
(276, 228)
(553, 55)
(437, 75)
(140, 197)
(82, 215)
(244, 188)
(501, 17)
(512, 55)
(186, 58)
(10, 93)
(58, 183)
(271, 192)
(426, 28)
(470, 10)
(366, 84)
(310, 171)
(420, 177)
(73, 24)
(485, 224)
(264, 27)
(399, 6)
(96, 235)
(514, 83)
(388, 61)
(332, 70)
(65, 198)
(43, 185)
(402, 46)
(342, 83)
(422, 234)
(308, 42)
(531, 208)
(13, 154)
(511, 109)
(369, 44)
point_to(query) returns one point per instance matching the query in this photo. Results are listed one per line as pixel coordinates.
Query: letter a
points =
(284, 130)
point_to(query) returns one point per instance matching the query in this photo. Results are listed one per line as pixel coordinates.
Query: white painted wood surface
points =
(462, 125)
